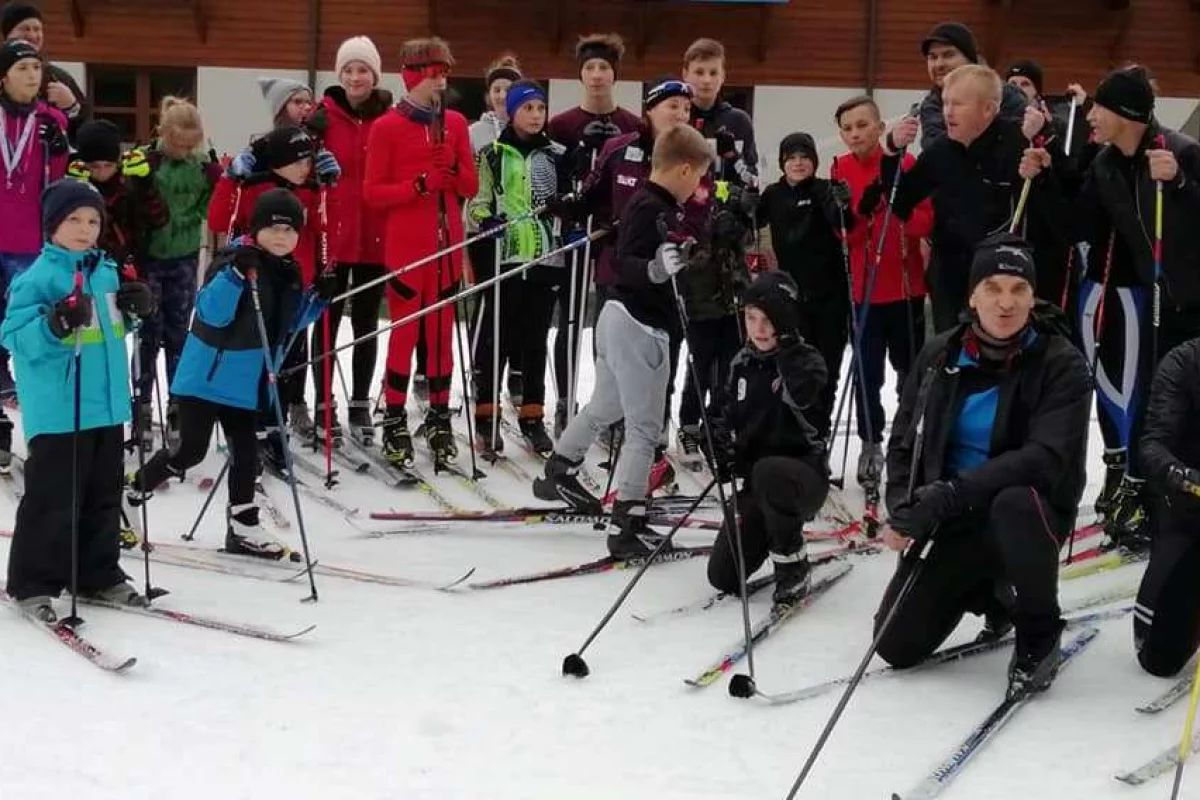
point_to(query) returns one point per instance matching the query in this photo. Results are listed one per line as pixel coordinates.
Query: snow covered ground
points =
(406, 693)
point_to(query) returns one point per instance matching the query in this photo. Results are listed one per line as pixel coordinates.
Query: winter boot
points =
(690, 454)
(246, 536)
(1036, 656)
(171, 434)
(1115, 463)
(1128, 525)
(40, 607)
(559, 483)
(793, 577)
(440, 436)
(629, 534)
(397, 441)
(516, 388)
(533, 428)
(560, 418)
(362, 427)
(870, 464)
(300, 420)
(122, 594)
(488, 441)
(318, 426)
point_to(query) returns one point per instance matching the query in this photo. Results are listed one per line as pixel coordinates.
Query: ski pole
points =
(1161, 142)
(191, 534)
(74, 620)
(327, 336)
(276, 403)
(454, 298)
(1185, 742)
(1070, 125)
(573, 664)
(497, 268)
(1023, 200)
(442, 253)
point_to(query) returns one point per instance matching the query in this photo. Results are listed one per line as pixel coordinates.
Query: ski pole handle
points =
(1070, 125)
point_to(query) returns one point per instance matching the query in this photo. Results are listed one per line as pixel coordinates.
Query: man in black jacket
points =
(24, 21)
(805, 214)
(729, 129)
(987, 457)
(1166, 619)
(763, 434)
(1123, 335)
(971, 174)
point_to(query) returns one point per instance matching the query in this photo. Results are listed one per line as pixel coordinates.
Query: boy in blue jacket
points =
(70, 300)
(222, 372)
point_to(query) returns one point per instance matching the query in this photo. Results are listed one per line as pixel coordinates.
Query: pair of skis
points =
(1168, 758)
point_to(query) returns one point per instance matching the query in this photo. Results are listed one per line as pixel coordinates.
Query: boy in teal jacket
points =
(72, 299)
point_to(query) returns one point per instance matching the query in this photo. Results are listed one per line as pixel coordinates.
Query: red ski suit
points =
(399, 153)
(863, 238)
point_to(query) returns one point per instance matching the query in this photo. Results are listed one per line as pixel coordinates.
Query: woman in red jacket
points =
(343, 121)
(895, 320)
(419, 171)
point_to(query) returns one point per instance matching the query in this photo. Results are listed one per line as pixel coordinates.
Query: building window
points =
(129, 96)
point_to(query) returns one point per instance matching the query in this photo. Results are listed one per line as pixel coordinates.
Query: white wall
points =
(76, 69)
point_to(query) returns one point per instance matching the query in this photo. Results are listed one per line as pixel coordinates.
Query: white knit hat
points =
(277, 92)
(359, 48)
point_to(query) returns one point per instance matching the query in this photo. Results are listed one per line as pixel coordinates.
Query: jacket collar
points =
(378, 102)
(60, 256)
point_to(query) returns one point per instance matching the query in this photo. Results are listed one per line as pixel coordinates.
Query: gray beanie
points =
(277, 92)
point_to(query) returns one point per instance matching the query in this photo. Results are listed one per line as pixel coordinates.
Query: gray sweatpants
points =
(632, 371)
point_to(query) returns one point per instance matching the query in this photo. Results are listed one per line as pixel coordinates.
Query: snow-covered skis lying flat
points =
(606, 564)
(170, 615)
(1160, 765)
(1174, 693)
(766, 626)
(68, 636)
(949, 769)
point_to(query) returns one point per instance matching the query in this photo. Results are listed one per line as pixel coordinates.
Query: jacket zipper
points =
(216, 364)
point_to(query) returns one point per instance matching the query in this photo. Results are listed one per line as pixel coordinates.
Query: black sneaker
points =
(1036, 657)
(793, 578)
(630, 536)
(397, 441)
(558, 483)
(534, 431)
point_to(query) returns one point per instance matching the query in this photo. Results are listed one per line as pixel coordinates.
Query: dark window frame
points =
(145, 109)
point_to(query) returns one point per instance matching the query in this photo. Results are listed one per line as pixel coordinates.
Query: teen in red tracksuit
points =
(420, 169)
(895, 321)
(343, 121)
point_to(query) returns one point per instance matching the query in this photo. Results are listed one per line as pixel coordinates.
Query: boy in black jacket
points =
(763, 435)
(805, 215)
(633, 343)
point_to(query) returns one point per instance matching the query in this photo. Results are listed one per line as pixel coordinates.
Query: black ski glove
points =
(839, 192)
(69, 314)
(325, 285)
(726, 145)
(935, 503)
(1178, 478)
(599, 131)
(872, 196)
(135, 299)
(567, 207)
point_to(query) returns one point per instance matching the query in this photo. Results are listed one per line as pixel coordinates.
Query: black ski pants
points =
(196, 421)
(713, 343)
(39, 562)
(1014, 542)
(364, 319)
(781, 495)
(825, 324)
(1166, 619)
(895, 333)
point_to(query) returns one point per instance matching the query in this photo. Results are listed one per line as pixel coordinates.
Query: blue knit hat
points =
(61, 198)
(521, 93)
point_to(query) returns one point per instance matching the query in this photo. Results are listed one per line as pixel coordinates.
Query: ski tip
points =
(125, 665)
(575, 666)
(742, 686)
(299, 633)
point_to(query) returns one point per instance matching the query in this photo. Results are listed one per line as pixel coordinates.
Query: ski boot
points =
(870, 470)
(171, 435)
(6, 456)
(318, 427)
(629, 534)
(271, 457)
(688, 439)
(516, 388)
(1115, 463)
(1036, 657)
(536, 436)
(40, 607)
(440, 437)
(362, 427)
(793, 577)
(1128, 525)
(559, 483)
(245, 534)
(397, 442)
(122, 594)
(488, 441)
(300, 421)
(560, 418)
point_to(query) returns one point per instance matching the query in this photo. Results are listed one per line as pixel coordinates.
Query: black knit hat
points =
(1002, 254)
(14, 51)
(13, 14)
(1027, 69)
(283, 146)
(277, 207)
(774, 292)
(955, 34)
(98, 141)
(1127, 92)
(61, 198)
(800, 144)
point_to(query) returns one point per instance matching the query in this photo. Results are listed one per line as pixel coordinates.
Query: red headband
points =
(414, 75)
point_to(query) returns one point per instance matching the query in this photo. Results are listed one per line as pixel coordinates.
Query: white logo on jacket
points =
(634, 154)
(626, 180)
(741, 389)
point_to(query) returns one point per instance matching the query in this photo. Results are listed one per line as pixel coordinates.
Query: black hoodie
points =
(805, 227)
(738, 123)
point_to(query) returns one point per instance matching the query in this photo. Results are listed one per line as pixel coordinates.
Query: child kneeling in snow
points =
(764, 434)
(66, 331)
(222, 372)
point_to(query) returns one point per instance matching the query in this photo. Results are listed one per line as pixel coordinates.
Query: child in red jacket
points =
(420, 170)
(895, 319)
